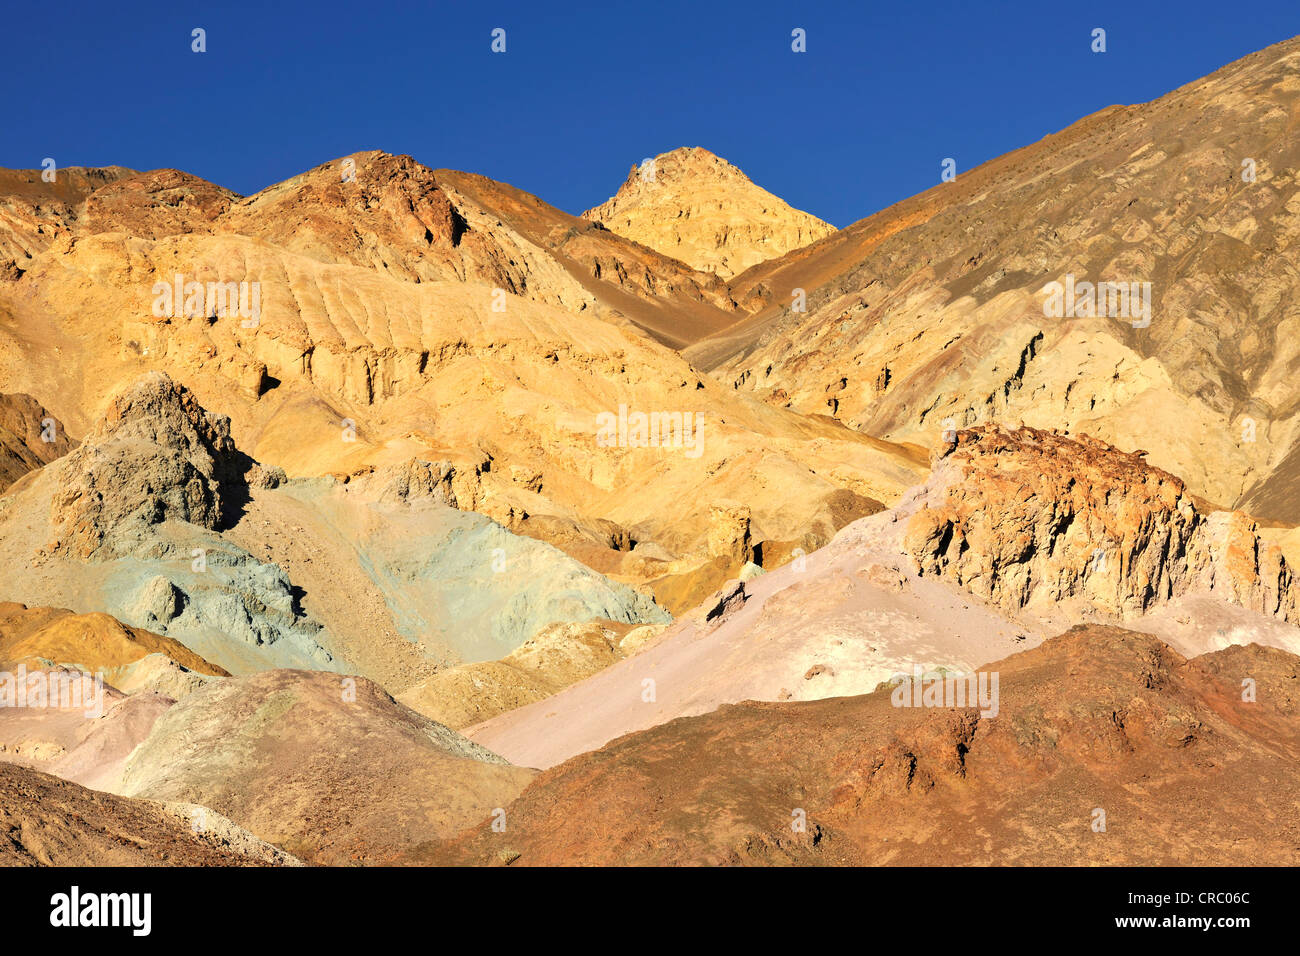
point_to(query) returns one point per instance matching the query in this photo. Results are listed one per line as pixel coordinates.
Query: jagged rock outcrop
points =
(729, 532)
(700, 209)
(156, 456)
(725, 603)
(413, 479)
(1028, 519)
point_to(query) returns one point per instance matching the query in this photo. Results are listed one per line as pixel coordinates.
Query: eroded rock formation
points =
(1028, 518)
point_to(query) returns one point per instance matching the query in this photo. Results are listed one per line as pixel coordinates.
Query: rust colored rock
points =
(1097, 719)
(1027, 518)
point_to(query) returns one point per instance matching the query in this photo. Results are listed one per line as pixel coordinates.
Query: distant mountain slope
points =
(702, 210)
(405, 220)
(672, 302)
(35, 212)
(930, 315)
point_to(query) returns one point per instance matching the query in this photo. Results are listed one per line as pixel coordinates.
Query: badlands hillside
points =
(1098, 719)
(1013, 538)
(929, 316)
(419, 314)
(406, 518)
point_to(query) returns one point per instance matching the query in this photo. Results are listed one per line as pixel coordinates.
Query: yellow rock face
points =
(703, 211)
(93, 642)
(449, 318)
(559, 655)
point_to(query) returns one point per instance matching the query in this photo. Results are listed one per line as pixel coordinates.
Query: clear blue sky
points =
(584, 91)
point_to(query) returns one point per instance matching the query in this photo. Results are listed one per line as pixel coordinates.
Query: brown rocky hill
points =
(153, 205)
(702, 210)
(1028, 518)
(929, 316)
(1107, 748)
(51, 822)
(34, 213)
(30, 437)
